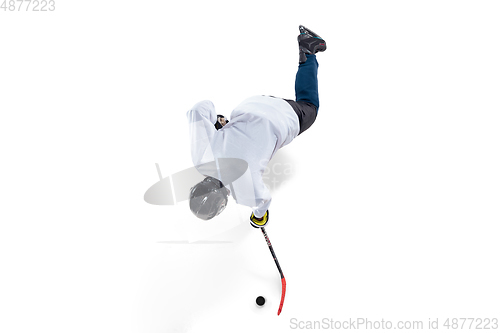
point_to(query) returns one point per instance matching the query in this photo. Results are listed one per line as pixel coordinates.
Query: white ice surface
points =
(399, 175)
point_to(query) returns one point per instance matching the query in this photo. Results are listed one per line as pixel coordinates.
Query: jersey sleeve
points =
(249, 190)
(263, 198)
(201, 118)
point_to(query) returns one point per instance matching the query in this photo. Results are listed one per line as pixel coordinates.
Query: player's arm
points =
(201, 118)
(260, 214)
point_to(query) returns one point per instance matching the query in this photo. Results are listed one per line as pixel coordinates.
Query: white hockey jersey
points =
(258, 127)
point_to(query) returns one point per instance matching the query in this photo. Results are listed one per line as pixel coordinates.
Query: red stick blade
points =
(283, 290)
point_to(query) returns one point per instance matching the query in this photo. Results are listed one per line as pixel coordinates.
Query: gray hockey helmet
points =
(208, 198)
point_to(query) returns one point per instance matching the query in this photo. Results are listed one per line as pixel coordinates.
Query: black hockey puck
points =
(260, 301)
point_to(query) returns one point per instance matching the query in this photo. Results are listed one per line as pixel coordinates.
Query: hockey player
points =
(258, 127)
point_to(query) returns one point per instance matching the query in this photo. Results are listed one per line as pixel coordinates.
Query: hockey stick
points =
(283, 281)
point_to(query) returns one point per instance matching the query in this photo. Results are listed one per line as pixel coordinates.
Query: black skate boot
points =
(309, 43)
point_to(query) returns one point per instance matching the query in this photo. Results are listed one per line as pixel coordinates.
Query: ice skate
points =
(309, 43)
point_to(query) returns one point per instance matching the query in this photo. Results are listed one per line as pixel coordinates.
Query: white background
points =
(392, 211)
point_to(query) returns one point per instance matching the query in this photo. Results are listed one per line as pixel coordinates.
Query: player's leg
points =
(306, 102)
(306, 81)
